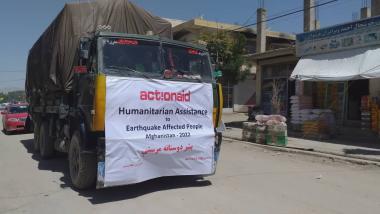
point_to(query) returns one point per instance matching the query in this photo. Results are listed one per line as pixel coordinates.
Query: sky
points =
(23, 21)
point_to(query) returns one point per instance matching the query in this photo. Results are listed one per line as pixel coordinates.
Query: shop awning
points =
(363, 63)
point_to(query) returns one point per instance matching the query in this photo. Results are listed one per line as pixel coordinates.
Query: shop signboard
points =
(351, 35)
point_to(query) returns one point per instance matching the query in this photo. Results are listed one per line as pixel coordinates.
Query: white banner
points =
(156, 128)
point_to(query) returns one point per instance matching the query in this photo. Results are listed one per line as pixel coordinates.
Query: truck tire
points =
(29, 125)
(36, 143)
(82, 166)
(45, 142)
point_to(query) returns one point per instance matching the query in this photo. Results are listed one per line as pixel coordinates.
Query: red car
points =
(14, 117)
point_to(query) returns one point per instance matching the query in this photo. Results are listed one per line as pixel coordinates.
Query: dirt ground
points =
(248, 180)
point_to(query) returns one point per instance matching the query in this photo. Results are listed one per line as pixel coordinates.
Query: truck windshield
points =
(120, 55)
(124, 56)
(187, 62)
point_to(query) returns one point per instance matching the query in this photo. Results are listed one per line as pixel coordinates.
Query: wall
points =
(374, 87)
(244, 94)
(279, 74)
(191, 37)
(374, 84)
(286, 59)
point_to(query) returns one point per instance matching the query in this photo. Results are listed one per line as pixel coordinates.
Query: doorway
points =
(356, 89)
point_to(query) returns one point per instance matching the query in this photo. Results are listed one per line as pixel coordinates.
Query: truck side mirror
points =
(84, 48)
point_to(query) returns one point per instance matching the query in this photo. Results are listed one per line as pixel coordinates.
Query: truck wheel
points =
(29, 125)
(45, 142)
(36, 143)
(82, 166)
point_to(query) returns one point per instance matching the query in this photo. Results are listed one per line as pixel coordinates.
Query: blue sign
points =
(351, 35)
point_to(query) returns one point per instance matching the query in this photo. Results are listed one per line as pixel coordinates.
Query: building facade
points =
(236, 97)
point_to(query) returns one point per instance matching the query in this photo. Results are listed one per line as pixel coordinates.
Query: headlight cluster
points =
(13, 119)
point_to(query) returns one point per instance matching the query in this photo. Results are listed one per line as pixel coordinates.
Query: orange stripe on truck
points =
(99, 103)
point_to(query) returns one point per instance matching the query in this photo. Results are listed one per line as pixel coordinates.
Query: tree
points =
(12, 96)
(18, 96)
(227, 51)
(3, 97)
(276, 97)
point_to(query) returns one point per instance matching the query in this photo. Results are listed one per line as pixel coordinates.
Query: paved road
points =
(249, 180)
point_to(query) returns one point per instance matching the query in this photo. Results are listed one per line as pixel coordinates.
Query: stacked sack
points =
(269, 129)
(254, 131)
(320, 123)
(299, 110)
(261, 128)
(374, 117)
(365, 113)
(276, 130)
(249, 131)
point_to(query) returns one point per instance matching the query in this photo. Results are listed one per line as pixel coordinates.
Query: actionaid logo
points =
(165, 96)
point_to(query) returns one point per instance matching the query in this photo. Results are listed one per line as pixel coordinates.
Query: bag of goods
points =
(249, 131)
(365, 103)
(278, 118)
(329, 119)
(277, 135)
(260, 134)
(272, 122)
(262, 118)
(248, 136)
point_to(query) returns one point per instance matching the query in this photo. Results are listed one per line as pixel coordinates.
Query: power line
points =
(286, 20)
(299, 14)
(249, 18)
(9, 71)
(15, 80)
(253, 14)
(328, 8)
(261, 3)
(285, 11)
(284, 15)
(317, 10)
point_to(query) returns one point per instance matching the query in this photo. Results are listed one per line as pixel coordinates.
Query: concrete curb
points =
(332, 156)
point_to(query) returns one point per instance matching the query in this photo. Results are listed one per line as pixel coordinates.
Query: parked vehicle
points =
(14, 117)
(3, 106)
(72, 85)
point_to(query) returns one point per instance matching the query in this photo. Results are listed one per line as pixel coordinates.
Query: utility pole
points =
(375, 7)
(261, 43)
(365, 11)
(261, 30)
(310, 22)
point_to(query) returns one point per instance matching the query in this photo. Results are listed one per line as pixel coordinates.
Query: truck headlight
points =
(13, 119)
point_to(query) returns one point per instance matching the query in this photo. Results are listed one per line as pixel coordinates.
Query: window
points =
(120, 55)
(18, 109)
(187, 61)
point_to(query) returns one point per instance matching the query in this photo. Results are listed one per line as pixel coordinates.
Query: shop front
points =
(273, 84)
(337, 78)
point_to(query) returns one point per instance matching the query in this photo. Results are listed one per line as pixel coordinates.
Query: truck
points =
(107, 85)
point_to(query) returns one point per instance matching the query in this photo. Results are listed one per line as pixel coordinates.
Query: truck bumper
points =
(101, 160)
